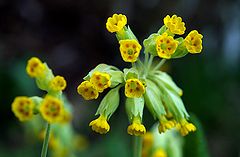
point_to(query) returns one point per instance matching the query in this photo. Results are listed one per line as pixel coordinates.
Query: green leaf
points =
(153, 100)
(134, 107)
(109, 103)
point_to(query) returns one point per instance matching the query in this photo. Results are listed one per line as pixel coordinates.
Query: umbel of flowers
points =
(145, 85)
(51, 107)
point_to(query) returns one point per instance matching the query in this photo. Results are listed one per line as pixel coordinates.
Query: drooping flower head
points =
(193, 42)
(185, 127)
(100, 80)
(130, 50)
(87, 90)
(100, 125)
(174, 24)
(23, 108)
(35, 68)
(136, 128)
(51, 109)
(165, 125)
(58, 83)
(116, 23)
(134, 88)
(165, 45)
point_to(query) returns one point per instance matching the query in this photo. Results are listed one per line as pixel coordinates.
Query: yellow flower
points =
(130, 50)
(100, 81)
(159, 153)
(134, 88)
(58, 83)
(54, 143)
(51, 109)
(193, 42)
(116, 23)
(174, 24)
(165, 125)
(100, 125)
(66, 117)
(136, 128)
(166, 45)
(23, 108)
(185, 127)
(35, 68)
(87, 90)
(147, 140)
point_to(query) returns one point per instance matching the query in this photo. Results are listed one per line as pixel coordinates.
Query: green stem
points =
(46, 140)
(149, 63)
(159, 65)
(137, 146)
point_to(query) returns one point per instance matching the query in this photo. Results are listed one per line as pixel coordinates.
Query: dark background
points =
(70, 35)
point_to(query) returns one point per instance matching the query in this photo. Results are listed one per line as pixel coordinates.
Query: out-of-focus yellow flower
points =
(193, 42)
(116, 23)
(80, 142)
(174, 24)
(58, 83)
(66, 117)
(54, 143)
(165, 125)
(159, 153)
(87, 90)
(166, 45)
(134, 88)
(136, 128)
(51, 109)
(35, 68)
(100, 81)
(100, 125)
(185, 127)
(130, 50)
(147, 140)
(23, 108)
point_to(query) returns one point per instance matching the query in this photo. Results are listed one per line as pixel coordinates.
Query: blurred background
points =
(70, 36)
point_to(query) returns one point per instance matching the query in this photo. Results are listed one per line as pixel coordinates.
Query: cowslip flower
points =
(35, 68)
(165, 125)
(130, 50)
(116, 23)
(100, 80)
(136, 128)
(134, 88)
(159, 153)
(184, 127)
(23, 108)
(100, 125)
(165, 45)
(193, 42)
(58, 83)
(174, 24)
(51, 109)
(87, 90)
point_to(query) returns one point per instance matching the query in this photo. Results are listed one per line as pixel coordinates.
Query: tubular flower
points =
(87, 90)
(116, 23)
(165, 125)
(100, 81)
(23, 108)
(130, 50)
(193, 42)
(165, 45)
(134, 88)
(58, 83)
(174, 24)
(136, 128)
(100, 125)
(159, 153)
(185, 127)
(35, 68)
(51, 109)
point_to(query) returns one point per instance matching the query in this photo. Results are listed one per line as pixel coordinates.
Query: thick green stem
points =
(137, 146)
(46, 140)
(159, 65)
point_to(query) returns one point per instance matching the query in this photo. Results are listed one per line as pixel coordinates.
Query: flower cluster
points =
(144, 83)
(51, 107)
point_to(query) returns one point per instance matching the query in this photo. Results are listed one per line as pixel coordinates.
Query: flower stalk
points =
(137, 146)
(46, 141)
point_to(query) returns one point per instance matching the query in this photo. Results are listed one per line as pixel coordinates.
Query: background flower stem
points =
(46, 140)
(137, 146)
